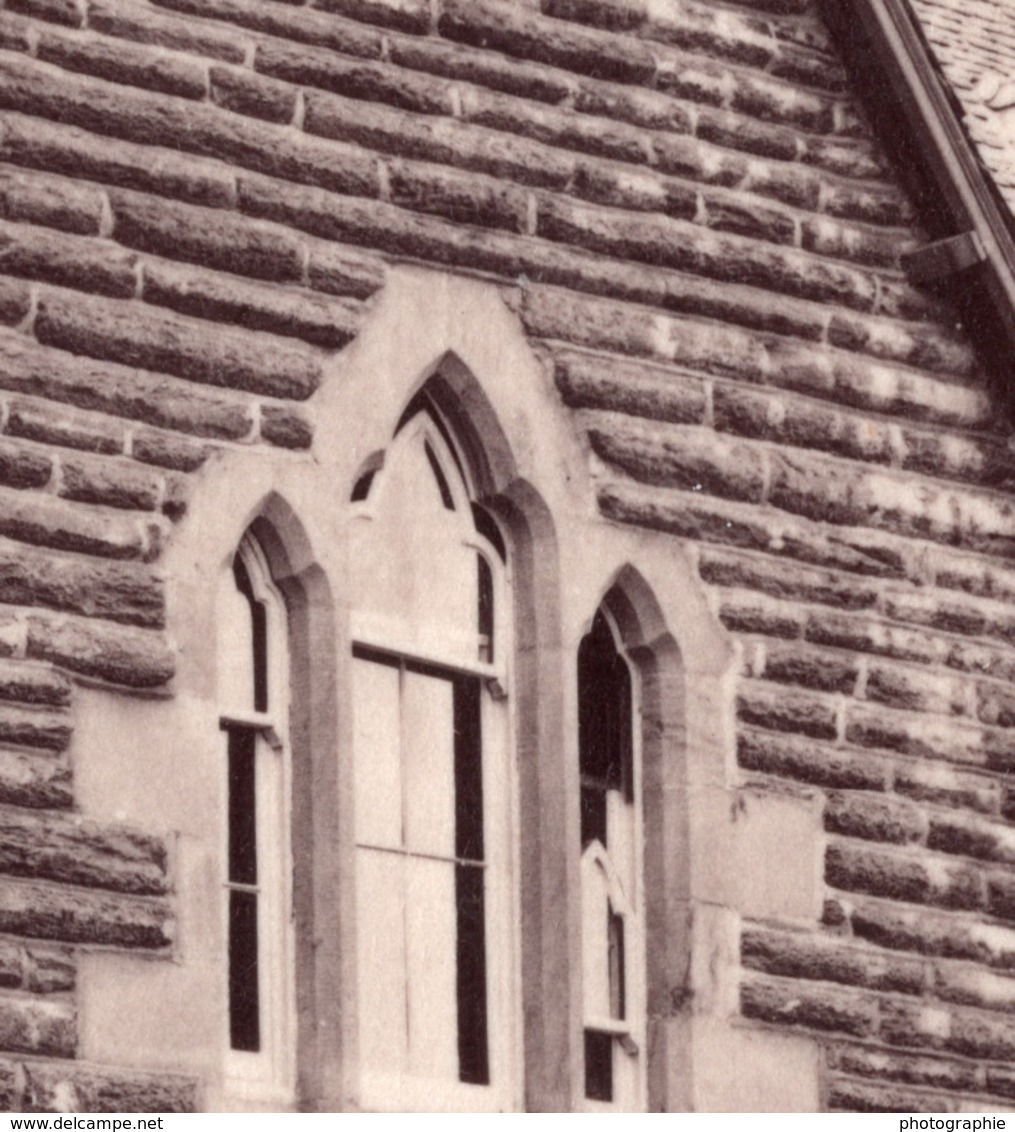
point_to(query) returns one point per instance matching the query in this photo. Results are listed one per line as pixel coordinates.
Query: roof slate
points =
(974, 41)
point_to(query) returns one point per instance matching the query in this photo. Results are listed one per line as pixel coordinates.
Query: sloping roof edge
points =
(884, 44)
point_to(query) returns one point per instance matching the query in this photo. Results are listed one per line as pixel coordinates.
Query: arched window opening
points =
(252, 693)
(611, 874)
(432, 786)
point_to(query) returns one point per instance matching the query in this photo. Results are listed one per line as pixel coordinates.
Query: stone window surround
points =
(567, 561)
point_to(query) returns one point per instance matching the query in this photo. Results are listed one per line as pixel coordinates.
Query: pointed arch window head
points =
(611, 873)
(253, 706)
(431, 773)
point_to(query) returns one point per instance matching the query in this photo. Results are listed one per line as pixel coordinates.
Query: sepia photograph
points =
(507, 557)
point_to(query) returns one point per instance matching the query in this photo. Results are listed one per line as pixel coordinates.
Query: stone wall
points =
(683, 206)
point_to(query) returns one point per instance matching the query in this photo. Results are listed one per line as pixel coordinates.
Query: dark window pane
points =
(361, 488)
(259, 628)
(615, 963)
(473, 1054)
(485, 606)
(489, 530)
(438, 475)
(598, 1066)
(244, 1006)
(468, 770)
(604, 709)
(593, 816)
(242, 807)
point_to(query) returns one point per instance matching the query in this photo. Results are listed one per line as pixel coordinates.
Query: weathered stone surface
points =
(845, 1095)
(34, 727)
(902, 876)
(926, 737)
(746, 612)
(77, 1087)
(505, 27)
(38, 420)
(786, 580)
(888, 1065)
(121, 18)
(874, 818)
(117, 653)
(303, 25)
(805, 760)
(52, 202)
(465, 198)
(33, 684)
(211, 237)
(44, 520)
(865, 634)
(779, 709)
(168, 451)
(124, 62)
(60, 148)
(33, 1025)
(15, 302)
(104, 386)
(915, 689)
(114, 483)
(199, 128)
(822, 670)
(254, 95)
(947, 786)
(806, 956)
(31, 779)
(788, 1003)
(285, 428)
(119, 591)
(972, 986)
(74, 850)
(693, 459)
(69, 12)
(83, 915)
(596, 381)
(49, 970)
(22, 466)
(190, 348)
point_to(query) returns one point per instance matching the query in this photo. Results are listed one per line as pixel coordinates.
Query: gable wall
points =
(683, 207)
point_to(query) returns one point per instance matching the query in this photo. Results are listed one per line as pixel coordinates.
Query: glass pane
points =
(242, 806)
(380, 930)
(244, 1002)
(428, 745)
(598, 1066)
(376, 751)
(432, 968)
(468, 771)
(473, 1052)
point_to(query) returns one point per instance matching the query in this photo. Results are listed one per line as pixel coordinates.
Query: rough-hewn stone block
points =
(866, 634)
(360, 79)
(22, 466)
(51, 202)
(805, 760)
(595, 381)
(928, 737)
(695, 459)
(38, 781)
(946, 786)
(32, 1025)
(786, 580)
(253, 95)
(48, 970)
(909, 1069)
(302, 25)
(806, 667)
(505, 27)
(437, 139)
(91, 265)
(168, 451)
(807, 956)
(77, 207)
(404, 15)
(290, 312)
(123, 19)
(202, 128)
(84, 915)
(74, 850)
(43, 520)
(119, 591)
(874, 818)
(68, 12)
(902, 876)
(40, 728)
(127, 63)
(33, 684)
(76, 1087)
(846, 1095)
(285, 428)
(786, 1002)
(103, 386)
(120, 654)
(195, 349)
(210, 237)
(972, 986)
(41, 421)
(745, 612)
(917, 690)
(779, 709)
